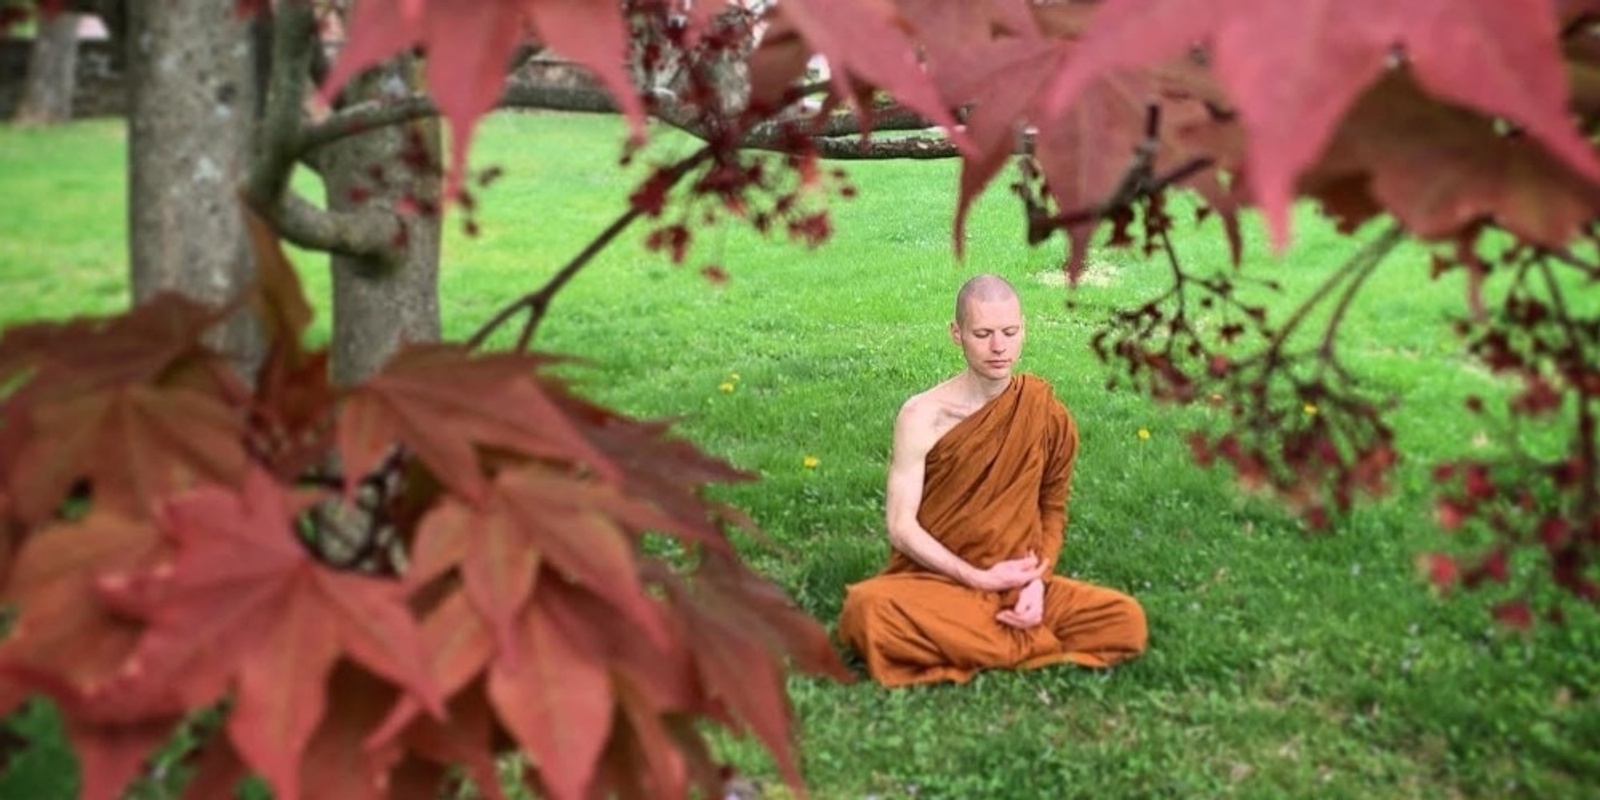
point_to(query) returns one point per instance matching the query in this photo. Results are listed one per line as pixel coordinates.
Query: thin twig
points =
(538, 301)
(1281, 336)
(1368, 259)
(1589, 498)
(1589, 269)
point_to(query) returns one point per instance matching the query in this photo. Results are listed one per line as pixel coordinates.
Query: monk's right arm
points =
(913, 438)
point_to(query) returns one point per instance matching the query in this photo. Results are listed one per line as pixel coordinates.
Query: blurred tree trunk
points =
(192, 109)
(378, 306)
(52, 72)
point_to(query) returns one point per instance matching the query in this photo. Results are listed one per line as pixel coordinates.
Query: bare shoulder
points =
(917, 414)
(918, 406)
(925, 417)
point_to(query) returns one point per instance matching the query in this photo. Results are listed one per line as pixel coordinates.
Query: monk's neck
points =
(980, 389)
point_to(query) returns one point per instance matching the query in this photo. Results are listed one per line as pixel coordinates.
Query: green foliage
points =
(1279, 665)
(45, 767)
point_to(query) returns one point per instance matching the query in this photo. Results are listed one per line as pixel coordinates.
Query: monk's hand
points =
(1029, 610)
(1008, 574)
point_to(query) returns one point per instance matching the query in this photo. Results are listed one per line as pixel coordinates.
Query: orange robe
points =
(995, 488)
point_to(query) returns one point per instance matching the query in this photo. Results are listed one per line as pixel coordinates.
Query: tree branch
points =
(365, 116)
(834, 134)
(293, 38)
(854, 149)
(538, 301)
(373, 233)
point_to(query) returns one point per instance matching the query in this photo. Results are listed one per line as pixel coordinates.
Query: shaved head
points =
(981, 289)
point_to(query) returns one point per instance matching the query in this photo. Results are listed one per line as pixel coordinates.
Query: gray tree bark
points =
(192, 108)
(378, 305)
(52, 72)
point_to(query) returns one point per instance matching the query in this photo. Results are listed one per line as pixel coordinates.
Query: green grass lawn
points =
(1279, 664)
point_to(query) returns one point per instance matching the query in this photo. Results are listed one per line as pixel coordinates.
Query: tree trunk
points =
(192, 108)
(377, 308)
(52, 72)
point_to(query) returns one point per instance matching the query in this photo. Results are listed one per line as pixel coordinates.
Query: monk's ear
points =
(955, 334)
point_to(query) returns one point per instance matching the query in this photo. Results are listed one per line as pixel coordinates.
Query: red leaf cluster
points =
(999, 58)
(471, 42)
(1295, 72)
(378, 584)
(1542, 503)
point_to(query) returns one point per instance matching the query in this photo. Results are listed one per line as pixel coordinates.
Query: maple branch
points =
(884, 118)
(370, 233)
(1590, 269)
(1364, 260)
(370, 114)
(1367, 263)
(293, 37)
(769, 135)
(1589, 493)
(835, 135)
(365, 542)
(538, 301)
(852, 148)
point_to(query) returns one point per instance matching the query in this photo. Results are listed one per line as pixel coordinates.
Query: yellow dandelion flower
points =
(1310, 409)
(810, 462)
(733, 376)
(1144, 434)
(726, 387)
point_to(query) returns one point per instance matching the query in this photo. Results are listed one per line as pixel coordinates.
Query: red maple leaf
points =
(292, 411)
(66, 644)
(111, 756)
(133, 445)
(656, 468)
(244, 607)
(1514, 614)
(536, 517)
(556, 700)
(84, 354)
(651, 687)
(471, 42)
(339, 762)
(469, 737)
(440, 401)
(1442, 570)
(1451, 513)
(498, 564)
(736, 623)
(277, 297)
(997, 60)
(647, 755)
(460, 648)
(1442, 170)
(129, 404)
(64, 639)
(868, 44)
(217, 770)
(1294, 69)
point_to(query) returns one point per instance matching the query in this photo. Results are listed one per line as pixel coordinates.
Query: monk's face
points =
(990, 336)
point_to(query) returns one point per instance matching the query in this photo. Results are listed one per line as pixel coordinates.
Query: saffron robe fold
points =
(995, 487)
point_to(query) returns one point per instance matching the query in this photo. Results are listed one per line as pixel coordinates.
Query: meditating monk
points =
(976, 511)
